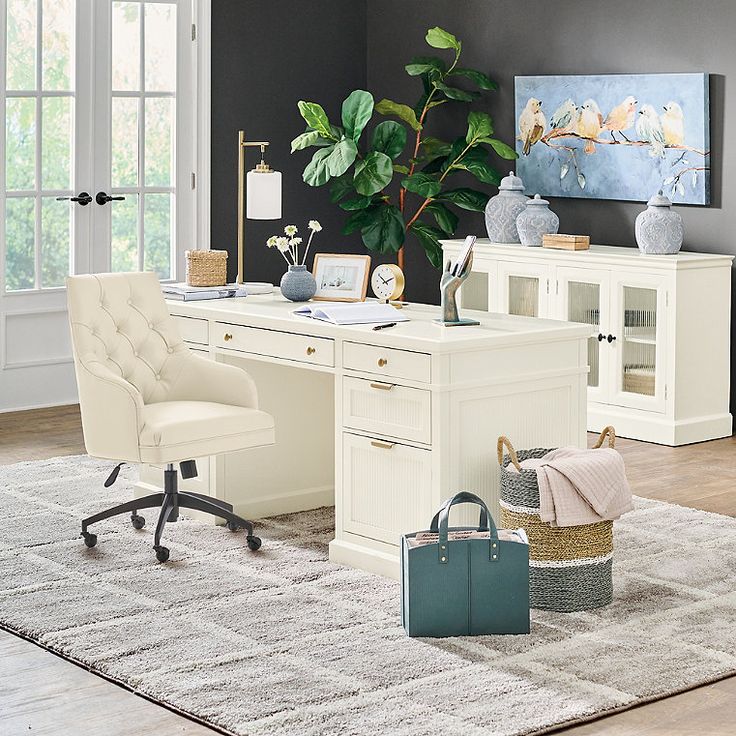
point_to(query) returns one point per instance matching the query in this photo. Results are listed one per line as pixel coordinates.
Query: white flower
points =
(295, 241)
(314, 226)
(291, 230)
(282, 244)
(271, 242)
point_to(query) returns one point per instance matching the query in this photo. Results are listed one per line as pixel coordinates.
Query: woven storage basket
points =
(570, 568)
(206, 267)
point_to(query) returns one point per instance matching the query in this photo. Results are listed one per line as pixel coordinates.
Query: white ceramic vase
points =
(503, 209)
(535, 221)
(658, 228)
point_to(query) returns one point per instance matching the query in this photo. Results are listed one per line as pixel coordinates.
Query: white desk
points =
(384, 424)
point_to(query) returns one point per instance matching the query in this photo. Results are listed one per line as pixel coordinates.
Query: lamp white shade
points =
(263, 195)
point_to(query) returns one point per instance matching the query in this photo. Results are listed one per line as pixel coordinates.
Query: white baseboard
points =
(372, 560)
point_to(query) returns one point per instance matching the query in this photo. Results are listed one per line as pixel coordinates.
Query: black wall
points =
(266, 56)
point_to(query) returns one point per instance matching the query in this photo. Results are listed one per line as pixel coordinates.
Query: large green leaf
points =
(373, 173)
(310, 138)
(480, 79)
(424, 64)
(456, 94)
(422, 184)
(428, 237)
(476, 162)
(403, 112)
(342, 157)
(401, 169)
(340, 187)
(357, 203)
(432, 148)
(317, 173)
(456, 150)
(316, 118)
(501, 148)
(384, 230)
(389, 137)
(480, 126)
(359, 219)
(445, 217)
(356, 112)
(439, 38)
(467, 199)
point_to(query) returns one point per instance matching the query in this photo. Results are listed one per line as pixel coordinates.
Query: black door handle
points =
(83, 198)
(611, 338)
(601, 337)
(104, 198)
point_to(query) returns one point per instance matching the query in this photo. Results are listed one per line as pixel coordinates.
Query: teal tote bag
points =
(460, 587)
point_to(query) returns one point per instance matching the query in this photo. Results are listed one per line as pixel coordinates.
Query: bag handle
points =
(611, 433)
(443, 548)
(503, 440)
(482, 521)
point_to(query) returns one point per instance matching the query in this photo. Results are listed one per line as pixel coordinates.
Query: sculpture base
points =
(462, 322)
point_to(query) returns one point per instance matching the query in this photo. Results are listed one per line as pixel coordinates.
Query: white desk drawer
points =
(386, 488)
(384, 408)
(285, 345)
(387, 361)
(192, 329)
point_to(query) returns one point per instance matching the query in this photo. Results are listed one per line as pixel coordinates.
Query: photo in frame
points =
(340, 277)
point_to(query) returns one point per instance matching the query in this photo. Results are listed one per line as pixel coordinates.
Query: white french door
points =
(97, 162)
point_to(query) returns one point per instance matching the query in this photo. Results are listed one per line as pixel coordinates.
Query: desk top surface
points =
(420, 333)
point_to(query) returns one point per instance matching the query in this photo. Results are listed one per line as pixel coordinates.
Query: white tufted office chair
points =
(146, 397)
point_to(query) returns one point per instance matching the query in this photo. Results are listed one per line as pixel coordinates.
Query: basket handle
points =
(611, 433)
(503, 440)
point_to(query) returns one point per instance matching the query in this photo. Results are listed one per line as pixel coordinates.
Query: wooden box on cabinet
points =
(660, 329)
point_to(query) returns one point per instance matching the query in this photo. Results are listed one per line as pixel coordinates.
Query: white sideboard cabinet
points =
(659, 346)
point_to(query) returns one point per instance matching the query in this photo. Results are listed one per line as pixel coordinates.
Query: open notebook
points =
(352, 313)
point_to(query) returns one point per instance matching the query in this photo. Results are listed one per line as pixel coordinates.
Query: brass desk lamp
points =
(263, 201)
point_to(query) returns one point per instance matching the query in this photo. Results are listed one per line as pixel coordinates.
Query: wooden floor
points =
(41, 693)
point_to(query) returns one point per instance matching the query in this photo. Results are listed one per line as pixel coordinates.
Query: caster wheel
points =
(138, 522)
(162, 553)
(254, 543)
(232, 526)
(89, 539)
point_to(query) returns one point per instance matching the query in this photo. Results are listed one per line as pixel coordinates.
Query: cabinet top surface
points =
(594, 253)
(420, 333)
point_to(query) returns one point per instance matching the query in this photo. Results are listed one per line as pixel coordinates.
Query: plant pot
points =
(298, 284)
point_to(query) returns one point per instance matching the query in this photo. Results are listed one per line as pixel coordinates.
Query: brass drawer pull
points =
(382, 445)
(382, 362)
(383, 386)
(311, 350)
(228, 337)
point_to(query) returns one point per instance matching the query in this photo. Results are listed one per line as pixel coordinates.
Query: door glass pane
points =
(20, 225)
(639, 340)
(157, 234)
(126, 46)
(20, 143)
(583, 305)
(524, 296)
(160, 47)
(124, 141)
(159, 131)
(58, 44)
(55, 239)
(21, 53)
(56, 142)
(125, 234)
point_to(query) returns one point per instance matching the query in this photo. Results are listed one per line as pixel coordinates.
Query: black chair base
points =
(170, 501)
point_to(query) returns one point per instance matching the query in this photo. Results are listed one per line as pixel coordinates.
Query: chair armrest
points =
(111, 412)
(202, 379)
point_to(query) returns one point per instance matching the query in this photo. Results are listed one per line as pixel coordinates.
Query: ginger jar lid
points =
(511, 183)
(659, 200)
(538, 201)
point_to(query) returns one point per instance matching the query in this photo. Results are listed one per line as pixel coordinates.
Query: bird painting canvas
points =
(614, 136)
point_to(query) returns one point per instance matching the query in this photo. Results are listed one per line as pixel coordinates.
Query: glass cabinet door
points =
(524, 289)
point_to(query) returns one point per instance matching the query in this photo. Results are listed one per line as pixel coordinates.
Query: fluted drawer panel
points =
(192, 329)
(386, 488)
(384, 408)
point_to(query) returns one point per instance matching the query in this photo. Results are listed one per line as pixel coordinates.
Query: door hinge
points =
(194, 32)
(194, 180)
(548, 286)
(665, 392)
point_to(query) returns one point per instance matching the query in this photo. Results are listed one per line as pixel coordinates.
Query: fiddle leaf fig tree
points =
(390, 189)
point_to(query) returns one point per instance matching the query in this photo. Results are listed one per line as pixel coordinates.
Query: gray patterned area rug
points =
(284, 642)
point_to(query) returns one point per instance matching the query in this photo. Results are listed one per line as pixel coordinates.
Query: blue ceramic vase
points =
(298, 284)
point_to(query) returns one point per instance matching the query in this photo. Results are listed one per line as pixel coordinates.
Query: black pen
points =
(383, 327)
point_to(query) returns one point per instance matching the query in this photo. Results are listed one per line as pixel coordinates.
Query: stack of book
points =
(186, 293)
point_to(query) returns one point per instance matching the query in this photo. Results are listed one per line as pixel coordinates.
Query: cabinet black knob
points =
(611, 338)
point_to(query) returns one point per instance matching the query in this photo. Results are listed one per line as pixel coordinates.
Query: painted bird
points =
(590, 122)
(531, 124)
(621, 117)
(565, 116)
(673, 124)
(649, 129)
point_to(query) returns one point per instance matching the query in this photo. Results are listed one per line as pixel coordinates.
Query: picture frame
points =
(341, 277)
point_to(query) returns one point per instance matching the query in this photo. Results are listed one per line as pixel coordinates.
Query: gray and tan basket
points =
(570, 568)
(206, 267)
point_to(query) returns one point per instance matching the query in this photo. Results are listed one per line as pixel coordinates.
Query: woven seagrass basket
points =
(570, 568)
(206, 267)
